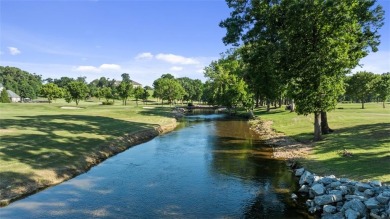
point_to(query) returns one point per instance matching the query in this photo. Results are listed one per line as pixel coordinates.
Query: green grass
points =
(37, 140)
(363, 132)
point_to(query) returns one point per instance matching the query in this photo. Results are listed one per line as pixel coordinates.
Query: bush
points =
(108, 103)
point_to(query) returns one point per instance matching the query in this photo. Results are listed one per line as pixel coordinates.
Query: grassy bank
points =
(41, 142)
(363, 132)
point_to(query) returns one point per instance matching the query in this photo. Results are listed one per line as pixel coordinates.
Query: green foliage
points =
(360, 85)
(25, 84)
(4, 96)
(138, 94)
(106, 93)
(381, 87)
(125, 89)
(168, 88)
(51, 91)
(63, 82)
(193, 88)
(145, 95)
(76, 91)
(108, 102)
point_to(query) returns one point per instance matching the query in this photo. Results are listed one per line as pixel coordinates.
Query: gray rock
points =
(318, 189)
(306, 178)
(328, 180)
(376, 183)
(314, 209)
(344, 189)
(316, 178)
(344, 180)
(329, 209)
(304, 189)
(369, 193)
(327, 199)
(388, 210)
(336, 192)
(358, 197)
(299, 172)
(351, 214)
(335, 184)
(374, 216)
(361, 187)
(294, 196)
(372, 203)
(355, 205)
(310, 203)
(382, 199)
(386, 193)
(338, 215)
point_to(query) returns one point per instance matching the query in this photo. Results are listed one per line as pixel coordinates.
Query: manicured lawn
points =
(38, 140)
(363, 132)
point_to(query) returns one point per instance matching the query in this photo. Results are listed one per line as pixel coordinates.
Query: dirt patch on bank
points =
(14, 186)
(284, 147)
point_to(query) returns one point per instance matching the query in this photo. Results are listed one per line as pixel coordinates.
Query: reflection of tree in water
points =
(239, 153)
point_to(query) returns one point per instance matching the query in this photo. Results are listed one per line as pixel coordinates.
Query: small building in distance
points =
(135, 84)
(11, 95)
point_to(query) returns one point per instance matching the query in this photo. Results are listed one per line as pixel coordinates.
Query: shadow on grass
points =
(55, 142)
(369, 145)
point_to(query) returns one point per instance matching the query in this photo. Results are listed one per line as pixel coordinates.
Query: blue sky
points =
(142, 38)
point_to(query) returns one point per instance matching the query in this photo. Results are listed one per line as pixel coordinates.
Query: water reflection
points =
(210, 168)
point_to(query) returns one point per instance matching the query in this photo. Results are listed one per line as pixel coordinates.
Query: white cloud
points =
(201, 70)
(175, 59)
(145, 55)
(176, 68)
(103, 67)
(14, 51)
(110, 67)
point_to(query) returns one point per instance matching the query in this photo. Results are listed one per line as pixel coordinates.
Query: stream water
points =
(209, 167)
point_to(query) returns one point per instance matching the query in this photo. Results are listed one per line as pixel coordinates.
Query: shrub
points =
(108, 103)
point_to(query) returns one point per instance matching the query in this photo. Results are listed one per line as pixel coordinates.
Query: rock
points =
(369, 193)
(294, 196)
(338, 215)
(376, 183)
(335, 184)
(316, 179)
(327, 199)
(304, 189)
(374, 216)
(314, 209)
(310, 203)
(358, 197)
(344, 189)
(328, 180)
(336, 192)
(329, 209)
(388, 210)
(351, 214)
(344, 180)
(372, 203)
(361, 187)
(318, 189)
(306, 177)
(355, 205)
(386, 193)
(299, 172)
(382, 199)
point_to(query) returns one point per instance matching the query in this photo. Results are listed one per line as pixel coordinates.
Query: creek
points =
(208, 167)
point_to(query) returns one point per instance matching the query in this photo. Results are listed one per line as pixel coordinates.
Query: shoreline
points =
(284, 147)
(86, 162)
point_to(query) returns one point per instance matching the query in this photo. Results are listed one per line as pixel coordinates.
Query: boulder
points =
(294, 196)
(318, 189)
(304, 189)
(372, 203)
(338, 215)
(357, 197)
(386, 193)
(351, 214)
(335, 184)
(327, 199)
(382, 199)
(329, 209)
(369, 193)
(310, 203)
(344, 180)
(299, 172)
(361, 187)
(376, 183)
(306, 177)
(344, 189)
(355, 205)
(336, 192)
(328, 180)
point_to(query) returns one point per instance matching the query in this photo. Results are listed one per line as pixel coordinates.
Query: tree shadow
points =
(369, 145)
(38, 146)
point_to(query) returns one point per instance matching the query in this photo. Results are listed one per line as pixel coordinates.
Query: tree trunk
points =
(362, 104)
(324, 124)
(384, 105)
(268, 105)
(317, 126)
(292, 108)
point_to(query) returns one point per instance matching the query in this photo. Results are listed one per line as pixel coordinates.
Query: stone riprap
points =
(343, 198)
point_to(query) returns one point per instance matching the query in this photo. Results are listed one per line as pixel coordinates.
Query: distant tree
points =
(106, 93)
(145, 95)
(360, 85)
(51, 91)
(82, 79)
(138, 94)
(26, 91)
(63, 81)
(102, 82)
(25, 84)
(126, 77)
(125, 90)
(4, 96)
(77, 91)
(381, 87)
(148, 87)
(168, 88)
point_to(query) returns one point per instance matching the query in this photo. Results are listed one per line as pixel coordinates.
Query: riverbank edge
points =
(103, 152)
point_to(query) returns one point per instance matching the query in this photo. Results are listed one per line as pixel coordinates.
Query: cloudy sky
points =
(107, 38)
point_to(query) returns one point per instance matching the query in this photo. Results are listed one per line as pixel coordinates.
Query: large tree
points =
(51, 91)
(25, 84)
(76, 91)
(314, 43)
(168, 88)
